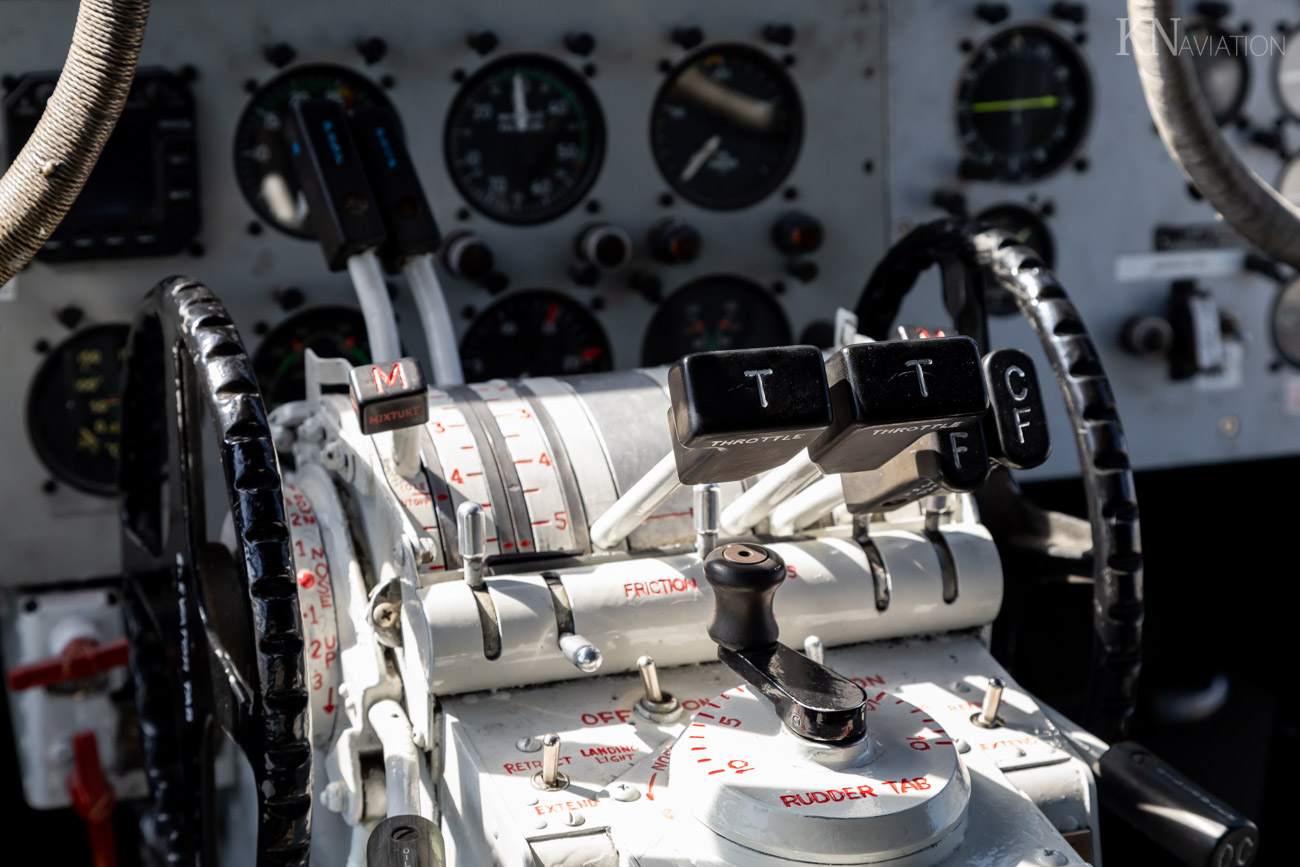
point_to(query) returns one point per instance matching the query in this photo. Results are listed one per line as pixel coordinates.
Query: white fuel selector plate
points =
(901, 796)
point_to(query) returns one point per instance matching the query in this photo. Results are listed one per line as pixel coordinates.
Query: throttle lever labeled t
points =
(813, 702)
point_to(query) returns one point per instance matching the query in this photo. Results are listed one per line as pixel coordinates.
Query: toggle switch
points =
(988, 718)
(885, 396)
(814, 703)
(550, 777)
(814, 649)
(741, 412)
(1015, 426)
(655, 704)
(948, 460)
(389, 395)
(81, 658)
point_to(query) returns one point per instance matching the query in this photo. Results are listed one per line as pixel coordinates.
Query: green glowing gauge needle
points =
(1028, 102)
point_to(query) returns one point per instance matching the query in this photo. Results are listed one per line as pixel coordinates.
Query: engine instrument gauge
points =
(1030, 229)
(525, 139)
(74, 408)
(1286, 323)
(330, 332)
(1023, 104)
(726, 127)
(536, 332)
(717, 312)
(1222, 68)
(262, 165)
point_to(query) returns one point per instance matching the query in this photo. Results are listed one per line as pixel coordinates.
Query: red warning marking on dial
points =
(718, 771)
(540, 523)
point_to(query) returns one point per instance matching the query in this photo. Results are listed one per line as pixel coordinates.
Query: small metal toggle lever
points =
(656, 705)
(708, 502)
(988, 716)
(471, 527)
(549, 777)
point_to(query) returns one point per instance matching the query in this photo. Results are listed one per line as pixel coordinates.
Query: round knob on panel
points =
(796, 232)
(372, 49)
(279, 55)
(1148, 336)
(674, 241)
(744, 580)
(482, 41)
(687, 37)
(992, 13)
(580, 42)
(466, 255)
(604, 246)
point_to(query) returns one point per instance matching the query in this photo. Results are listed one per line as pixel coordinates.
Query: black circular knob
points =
(992, 13)
(603, 246)
(803, 270)
(482, 41)
(581, 42)
(1148, 336)
(796, 232)
(744, 579)
(280, 54)
(648, 285)
(70, 317)
(687, 37)
(466, 255)
(372, 49)
(675, 241)
(1074, 12)
(289, 298)
(778, 34)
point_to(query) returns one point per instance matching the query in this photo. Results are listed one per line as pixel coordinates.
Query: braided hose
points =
(1186, 124)
(49, 172)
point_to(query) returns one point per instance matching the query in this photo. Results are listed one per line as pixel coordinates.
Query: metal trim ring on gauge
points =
(589, 103)
(1088, 79)
(793, 141)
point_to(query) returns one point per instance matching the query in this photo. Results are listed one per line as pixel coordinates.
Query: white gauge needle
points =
(521, 104)
(700, 157)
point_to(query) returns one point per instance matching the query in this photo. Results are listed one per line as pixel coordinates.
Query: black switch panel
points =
(885, 396)
(1016, 424)
(342, 207)
(389, 395)
(744, 411)
(955, 460)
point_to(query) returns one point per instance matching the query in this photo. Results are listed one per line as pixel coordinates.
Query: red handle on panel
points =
(81, 658)
(92, 799)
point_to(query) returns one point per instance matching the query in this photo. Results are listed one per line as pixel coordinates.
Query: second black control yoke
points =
(813, 702)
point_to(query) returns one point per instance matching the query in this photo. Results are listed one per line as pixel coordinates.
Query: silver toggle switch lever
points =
(584, 655)
(814, 649)
(656, 705)
(471, 531)
(988, 716)
(549, 777)
(708, 503)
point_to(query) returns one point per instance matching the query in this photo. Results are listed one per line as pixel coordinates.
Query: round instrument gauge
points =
(726, 127)
(1288, 181)
(1030, 229)
(262, 164)
(1023, 104)
(1286, 323)
(524, 139)
(718, 312)
(74, 408)
(536, 332)
(330, 332)
(1287, 80)
(1222, 67)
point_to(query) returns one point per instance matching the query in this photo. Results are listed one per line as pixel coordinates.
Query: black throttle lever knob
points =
(1016, 424)
(813, 702)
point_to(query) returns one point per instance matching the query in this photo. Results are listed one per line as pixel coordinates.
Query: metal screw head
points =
(624, 792)
(528, 744)
(573, 819)
(385, 615)
(1050, 858)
